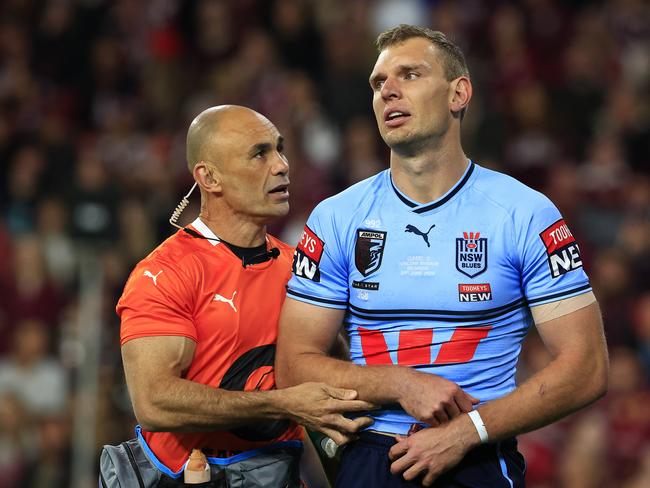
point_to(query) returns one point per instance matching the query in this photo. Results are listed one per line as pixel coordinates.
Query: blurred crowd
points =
(95, 100)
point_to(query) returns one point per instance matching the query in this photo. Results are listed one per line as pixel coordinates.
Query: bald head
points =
(205, 131)
(236, 157)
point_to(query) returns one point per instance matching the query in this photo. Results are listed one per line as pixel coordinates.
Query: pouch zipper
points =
(134, 465)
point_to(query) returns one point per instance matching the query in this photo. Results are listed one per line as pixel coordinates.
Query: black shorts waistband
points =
(383, 442)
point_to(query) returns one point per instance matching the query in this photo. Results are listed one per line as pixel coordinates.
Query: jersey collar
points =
(205, 231)
(425, 207)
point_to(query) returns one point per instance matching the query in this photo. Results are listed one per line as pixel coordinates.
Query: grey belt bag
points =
(126, 465)
(130, 465)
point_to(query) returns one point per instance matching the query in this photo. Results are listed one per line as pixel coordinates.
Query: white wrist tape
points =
(480, 426)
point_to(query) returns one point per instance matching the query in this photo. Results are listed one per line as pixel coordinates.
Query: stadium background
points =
(95, 99)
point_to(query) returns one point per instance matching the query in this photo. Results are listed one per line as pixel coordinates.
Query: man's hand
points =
(430, 452)
(318, 406)
(432, 399)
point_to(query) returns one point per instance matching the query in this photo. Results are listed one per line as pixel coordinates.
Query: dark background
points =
(95, 100)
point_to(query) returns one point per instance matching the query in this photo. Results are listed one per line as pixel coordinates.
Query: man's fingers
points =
(401, 463)
(398, 450)
(339, 438)
(347, 439)
(414, 471)
(465, 402)
(351, 426)
(432, 421)
(452, 409)
(340, 393)
(441, 416)
(429, 479)
(346, 425)
(362, 422)
(474, 400)
(353, 406)
(462, 405)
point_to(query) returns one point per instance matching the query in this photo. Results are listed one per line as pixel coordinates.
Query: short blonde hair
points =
(453, 59)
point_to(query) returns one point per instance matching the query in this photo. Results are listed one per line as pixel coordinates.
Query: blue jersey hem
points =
(571, 292)
(321, 302)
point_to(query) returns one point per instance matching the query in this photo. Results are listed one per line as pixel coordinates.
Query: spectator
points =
(30, 373)
(95, 97)
(17, 441)
(30, 294)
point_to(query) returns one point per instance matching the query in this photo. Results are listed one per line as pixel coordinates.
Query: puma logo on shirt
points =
(413, 229)
(229, 301)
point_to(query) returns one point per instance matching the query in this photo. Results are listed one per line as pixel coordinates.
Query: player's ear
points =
(207, 176)
(460, 93)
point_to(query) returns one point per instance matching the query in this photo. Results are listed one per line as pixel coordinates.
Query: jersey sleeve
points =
(549, 256)
(319, 269)
(156, 302)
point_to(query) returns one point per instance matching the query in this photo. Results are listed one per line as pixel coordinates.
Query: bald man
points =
(199, 320)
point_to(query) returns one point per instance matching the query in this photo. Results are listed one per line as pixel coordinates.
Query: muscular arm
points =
(576, 376)
(307, 333)
(164, 401)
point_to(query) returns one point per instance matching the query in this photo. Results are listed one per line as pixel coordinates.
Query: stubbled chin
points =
(406, 142)
(396, 136)
(282, 209)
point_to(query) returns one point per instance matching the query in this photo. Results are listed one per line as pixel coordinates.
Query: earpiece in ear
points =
(180, 207)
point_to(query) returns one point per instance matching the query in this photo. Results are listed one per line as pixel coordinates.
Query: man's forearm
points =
(554, 392)
(307, 334)
(179, 405)
(164, 401)
(376, 384)
(549, 395)
(575, 377)
(310, 344)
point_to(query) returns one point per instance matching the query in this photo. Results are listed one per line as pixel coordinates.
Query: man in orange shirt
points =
(199, 316)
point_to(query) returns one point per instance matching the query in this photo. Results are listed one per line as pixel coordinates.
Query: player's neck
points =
(235, 229)
(427, 176)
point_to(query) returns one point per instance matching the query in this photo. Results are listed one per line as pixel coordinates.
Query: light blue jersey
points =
(444, 287)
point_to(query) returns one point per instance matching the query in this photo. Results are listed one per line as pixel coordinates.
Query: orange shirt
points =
(199, 289)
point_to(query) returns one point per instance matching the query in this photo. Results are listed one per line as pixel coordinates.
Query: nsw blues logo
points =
(369, 250)
(471, 254)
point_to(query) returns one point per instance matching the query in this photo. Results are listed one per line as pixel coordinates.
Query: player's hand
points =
(319, 406)
(432, 399)
(432, 451)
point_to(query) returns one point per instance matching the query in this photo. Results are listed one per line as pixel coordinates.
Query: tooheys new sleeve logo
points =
(307, 256)
(561, 248)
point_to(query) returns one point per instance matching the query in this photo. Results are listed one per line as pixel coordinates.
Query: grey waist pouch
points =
(277, 469)
(128, 466)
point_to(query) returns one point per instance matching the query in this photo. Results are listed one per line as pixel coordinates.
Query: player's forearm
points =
(307, 340)
(178, 405)
(561, 388)
(376, 384)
